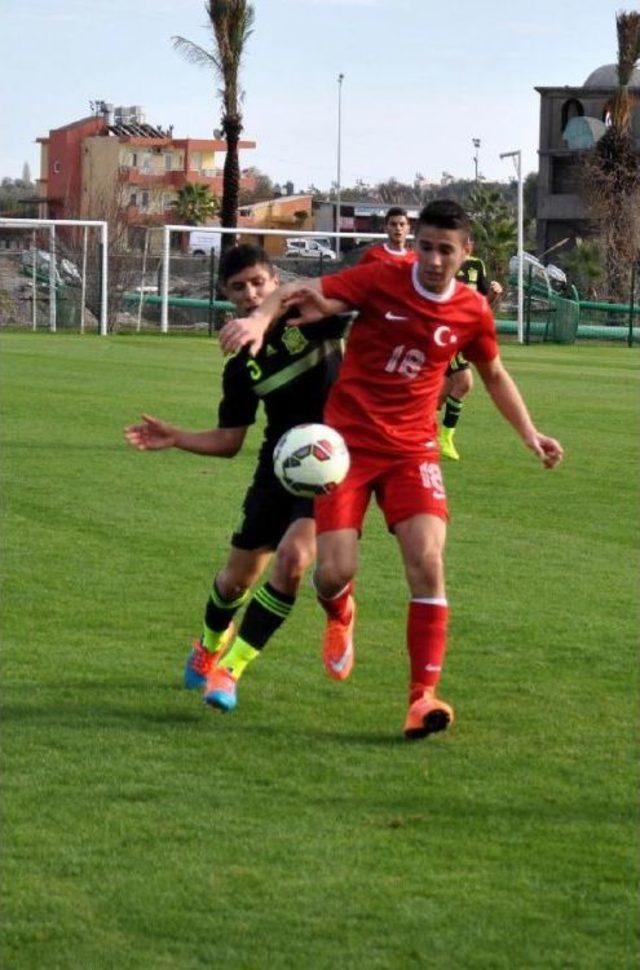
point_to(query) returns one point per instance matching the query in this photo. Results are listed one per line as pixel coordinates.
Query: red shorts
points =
(403, 487)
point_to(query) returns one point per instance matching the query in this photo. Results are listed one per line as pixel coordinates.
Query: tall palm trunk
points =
(232, 128)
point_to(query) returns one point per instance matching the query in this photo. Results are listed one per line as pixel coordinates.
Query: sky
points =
(421, 78)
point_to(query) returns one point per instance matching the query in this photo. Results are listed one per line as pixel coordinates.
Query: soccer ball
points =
(311, 459)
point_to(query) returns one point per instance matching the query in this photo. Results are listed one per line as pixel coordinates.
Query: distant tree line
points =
(14, 191)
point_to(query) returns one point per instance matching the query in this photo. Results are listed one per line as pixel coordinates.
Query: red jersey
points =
(400, 345)
(384, 254)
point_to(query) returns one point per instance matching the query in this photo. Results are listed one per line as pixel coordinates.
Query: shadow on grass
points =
(73, 715)
(69, 714)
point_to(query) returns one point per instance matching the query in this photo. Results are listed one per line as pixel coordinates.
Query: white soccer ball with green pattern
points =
(311, 459)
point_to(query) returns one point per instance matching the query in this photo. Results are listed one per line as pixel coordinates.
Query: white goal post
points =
(50, 226)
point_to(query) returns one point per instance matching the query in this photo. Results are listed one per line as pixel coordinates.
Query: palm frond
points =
(628, 28)
(195, 54)
(232, 23)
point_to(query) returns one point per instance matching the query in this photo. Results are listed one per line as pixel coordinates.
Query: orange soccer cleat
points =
(426, 715)
(201, 661)
(337, 651)
(220, 689)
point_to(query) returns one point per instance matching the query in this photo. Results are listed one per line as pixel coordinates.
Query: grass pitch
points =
(143, 830)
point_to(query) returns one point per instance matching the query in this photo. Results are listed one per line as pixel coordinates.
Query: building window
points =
(571, 109)
(145, 201)
(168, 162)
(134, 160)
(133, 199)
(57, 167)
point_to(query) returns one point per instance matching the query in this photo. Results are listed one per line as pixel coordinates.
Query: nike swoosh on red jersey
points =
(392, 316)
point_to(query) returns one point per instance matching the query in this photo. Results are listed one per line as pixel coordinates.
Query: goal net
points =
(53, 274)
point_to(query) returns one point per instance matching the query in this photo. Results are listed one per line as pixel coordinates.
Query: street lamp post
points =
(517, 161)
(338, 179)
(476, 157)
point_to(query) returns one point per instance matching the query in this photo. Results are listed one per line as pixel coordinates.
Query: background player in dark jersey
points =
(291, 375)
(411, 319)
(458, 380)
(396, 223)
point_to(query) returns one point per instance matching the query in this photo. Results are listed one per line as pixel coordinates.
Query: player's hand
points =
(310, 304)
(243, 332)
(495, 292)
(151, 435)
(548, 450)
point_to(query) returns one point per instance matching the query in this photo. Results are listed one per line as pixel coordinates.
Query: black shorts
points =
(457, 362)
(267, 512)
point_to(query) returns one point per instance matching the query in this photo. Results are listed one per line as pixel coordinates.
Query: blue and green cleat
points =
(201, 661)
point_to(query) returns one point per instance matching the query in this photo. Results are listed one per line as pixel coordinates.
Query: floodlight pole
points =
(476, 158)
(339, 174)
(517, 161)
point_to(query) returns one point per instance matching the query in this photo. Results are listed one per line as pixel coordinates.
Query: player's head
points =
(396, 222)
(442, 243)
(247, 276)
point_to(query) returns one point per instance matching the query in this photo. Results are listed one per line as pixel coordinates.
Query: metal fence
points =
(60, 275)
(54, 274)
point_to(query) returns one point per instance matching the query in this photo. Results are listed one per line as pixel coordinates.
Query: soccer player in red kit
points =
(396, 223)
(412, 319)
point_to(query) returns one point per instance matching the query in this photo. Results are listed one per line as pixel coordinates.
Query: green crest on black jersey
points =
(293, 340)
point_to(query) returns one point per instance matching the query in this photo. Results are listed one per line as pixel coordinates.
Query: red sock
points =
(426, 643)
(336, 607)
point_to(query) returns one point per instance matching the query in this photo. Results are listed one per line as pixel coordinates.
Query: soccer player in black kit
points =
(458, 380)
(291, 375)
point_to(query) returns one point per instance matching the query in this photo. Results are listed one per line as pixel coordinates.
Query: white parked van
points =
(306, 247)
(201, 243)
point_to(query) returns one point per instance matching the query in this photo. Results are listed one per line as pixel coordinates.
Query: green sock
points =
(238, 657)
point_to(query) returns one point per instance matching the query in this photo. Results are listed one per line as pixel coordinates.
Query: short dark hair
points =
(242, 257)
(395, 210)
(445, 214)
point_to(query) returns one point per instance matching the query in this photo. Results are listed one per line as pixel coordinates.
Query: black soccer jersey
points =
(473, 273)
(291, 375)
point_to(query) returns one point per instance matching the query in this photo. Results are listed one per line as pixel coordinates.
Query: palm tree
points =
(195, 204)
(231, 22)
(612, 171)
(494, 230)
(584, 266)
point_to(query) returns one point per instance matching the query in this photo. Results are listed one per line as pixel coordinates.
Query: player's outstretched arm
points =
(311, 304)
(155, 435)
(305, 295)
(249, 331)
(508, 400)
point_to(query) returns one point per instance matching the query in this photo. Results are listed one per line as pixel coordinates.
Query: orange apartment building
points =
(288, 212)
(114, 160)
